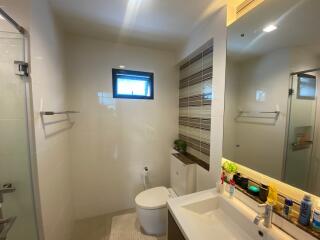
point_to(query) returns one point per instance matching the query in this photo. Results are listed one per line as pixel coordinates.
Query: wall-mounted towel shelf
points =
(256, 114)
(56, 113)
(273, 115)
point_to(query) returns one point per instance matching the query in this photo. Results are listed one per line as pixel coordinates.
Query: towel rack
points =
(56, 113)
(265, 115)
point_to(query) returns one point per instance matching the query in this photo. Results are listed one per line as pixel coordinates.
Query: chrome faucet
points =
(266, 216)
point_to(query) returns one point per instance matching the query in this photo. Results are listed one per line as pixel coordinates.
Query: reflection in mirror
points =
(272, 118)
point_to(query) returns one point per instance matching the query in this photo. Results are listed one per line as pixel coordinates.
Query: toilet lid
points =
(153, 198)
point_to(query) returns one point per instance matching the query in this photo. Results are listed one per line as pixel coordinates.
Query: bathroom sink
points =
(214, 216)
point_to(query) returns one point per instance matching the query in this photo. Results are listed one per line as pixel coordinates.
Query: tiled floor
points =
(97, 228)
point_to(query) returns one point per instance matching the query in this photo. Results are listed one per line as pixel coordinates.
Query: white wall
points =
(212, 27)
(52, 141)
(113, 139)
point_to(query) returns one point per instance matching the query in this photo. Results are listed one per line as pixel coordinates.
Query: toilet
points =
(151, 204)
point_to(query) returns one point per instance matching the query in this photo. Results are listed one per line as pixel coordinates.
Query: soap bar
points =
(254, 190)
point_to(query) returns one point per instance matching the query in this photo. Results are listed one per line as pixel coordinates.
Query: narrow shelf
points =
(278, 210)
(187, 158)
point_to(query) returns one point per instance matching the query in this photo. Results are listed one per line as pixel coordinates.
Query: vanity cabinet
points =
(174, 232)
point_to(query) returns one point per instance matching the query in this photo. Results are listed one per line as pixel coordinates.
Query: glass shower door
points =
(17, 211)
(301, 129)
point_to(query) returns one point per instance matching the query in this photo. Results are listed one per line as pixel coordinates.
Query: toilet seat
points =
(153, 198)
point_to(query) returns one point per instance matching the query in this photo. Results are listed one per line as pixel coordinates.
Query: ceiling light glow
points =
(1, 17)
(270, 28)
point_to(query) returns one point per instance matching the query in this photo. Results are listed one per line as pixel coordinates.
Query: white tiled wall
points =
(52, 141)
(113, 139)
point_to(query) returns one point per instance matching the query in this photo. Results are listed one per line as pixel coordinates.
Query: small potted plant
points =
(180, 146)
(229, 169)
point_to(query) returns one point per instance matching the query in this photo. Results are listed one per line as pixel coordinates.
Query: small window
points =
(132, 84)
(307, 86)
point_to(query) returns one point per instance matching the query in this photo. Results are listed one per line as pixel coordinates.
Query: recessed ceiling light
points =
(1, 17)
(270, 28)
(122, 66)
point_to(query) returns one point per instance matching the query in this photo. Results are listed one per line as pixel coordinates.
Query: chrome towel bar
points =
(55, 113)
(249, 114)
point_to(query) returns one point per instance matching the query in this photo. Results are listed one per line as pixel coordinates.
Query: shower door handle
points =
(5, 226)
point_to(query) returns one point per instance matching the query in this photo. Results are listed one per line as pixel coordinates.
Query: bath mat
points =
(126, 227)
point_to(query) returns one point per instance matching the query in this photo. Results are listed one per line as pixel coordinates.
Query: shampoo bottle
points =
(305, 210)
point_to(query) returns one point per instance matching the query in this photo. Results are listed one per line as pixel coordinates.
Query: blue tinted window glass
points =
(307, 87)
(132, 84)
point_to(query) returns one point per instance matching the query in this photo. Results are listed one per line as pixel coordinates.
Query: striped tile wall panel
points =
(195, 99)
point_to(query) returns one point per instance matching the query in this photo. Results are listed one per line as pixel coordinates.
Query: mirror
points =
(272, 115)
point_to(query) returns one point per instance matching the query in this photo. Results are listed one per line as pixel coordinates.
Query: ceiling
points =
(157, 23)
(297, 22)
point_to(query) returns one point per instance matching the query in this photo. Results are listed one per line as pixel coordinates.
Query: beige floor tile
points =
(96, 228)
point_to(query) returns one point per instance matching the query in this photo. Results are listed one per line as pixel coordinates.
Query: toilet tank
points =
(182, 177)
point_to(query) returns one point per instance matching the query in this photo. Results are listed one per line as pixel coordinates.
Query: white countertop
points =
(218, 225)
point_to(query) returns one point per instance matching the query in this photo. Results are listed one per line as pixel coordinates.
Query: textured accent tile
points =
(202, 156)
(196, 144)
(195, 100)
(201, 76)
(196, 89)
(195, 122)
(200, 112)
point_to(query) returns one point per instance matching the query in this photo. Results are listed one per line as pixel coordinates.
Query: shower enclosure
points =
(17, 209)
(301, 164)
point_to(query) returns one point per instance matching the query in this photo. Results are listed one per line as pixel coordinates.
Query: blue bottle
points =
(305, 210)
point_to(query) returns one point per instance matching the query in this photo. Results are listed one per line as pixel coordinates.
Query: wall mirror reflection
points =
(272, 115)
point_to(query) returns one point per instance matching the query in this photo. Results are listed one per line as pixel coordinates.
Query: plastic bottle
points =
(232, 188)
(272, 195)
(305, 210)
(287, 207)
(316, 219)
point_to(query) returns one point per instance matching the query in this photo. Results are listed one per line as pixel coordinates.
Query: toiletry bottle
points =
(232, 188)
(305, 210)
(222, 177)
(316, 219)
(272, 195)
(288, 203)
(220, 184)
(264, 191)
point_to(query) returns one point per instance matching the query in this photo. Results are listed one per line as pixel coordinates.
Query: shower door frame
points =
(285, 152)
(30, 125)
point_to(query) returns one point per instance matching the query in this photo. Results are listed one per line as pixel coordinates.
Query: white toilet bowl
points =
(151, 207)
(151, 204)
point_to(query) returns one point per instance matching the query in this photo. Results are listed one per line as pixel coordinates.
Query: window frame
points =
(299, 96)
(116, 71)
